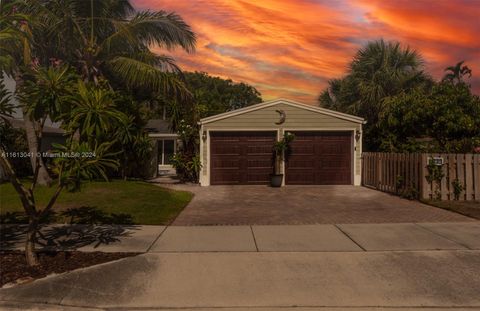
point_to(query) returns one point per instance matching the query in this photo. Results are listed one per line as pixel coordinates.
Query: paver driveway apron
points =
(262, 205)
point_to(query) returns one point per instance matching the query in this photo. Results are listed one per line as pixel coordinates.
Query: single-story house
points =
(236, 146)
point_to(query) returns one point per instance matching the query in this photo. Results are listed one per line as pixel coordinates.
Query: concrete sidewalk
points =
(275, 238)
(296, 268)
(275, 280)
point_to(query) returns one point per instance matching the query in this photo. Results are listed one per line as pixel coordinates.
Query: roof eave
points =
(232, 113)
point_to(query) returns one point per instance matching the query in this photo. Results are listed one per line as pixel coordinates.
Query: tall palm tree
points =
(15, 54)
(379, 70)
(105, 40)
(383, 68)
(110, 39)
(457, 72)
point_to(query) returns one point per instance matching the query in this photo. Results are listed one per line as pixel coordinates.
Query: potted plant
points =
(281, 150)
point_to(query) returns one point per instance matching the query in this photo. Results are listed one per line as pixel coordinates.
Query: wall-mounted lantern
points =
(358, 134)
(204, 136)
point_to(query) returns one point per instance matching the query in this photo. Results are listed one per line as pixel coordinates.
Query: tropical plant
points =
(90, 110)
(187, 165)
(458, 188)
(13, 142)
(135, 147)
(214, 95)
(456, 73)
(44, 92)
(6, 105)
(93, 113)
(106, 41)
(15, 37)
(434, 178)
(110, 39)
(78, 162)
(16, 55)
(281, 150)
(379, 70)
(445, 118)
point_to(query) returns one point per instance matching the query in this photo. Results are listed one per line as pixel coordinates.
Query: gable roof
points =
(289, 102)
(20, 124)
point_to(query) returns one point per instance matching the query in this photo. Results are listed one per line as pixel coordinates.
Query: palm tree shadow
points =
(86, 226)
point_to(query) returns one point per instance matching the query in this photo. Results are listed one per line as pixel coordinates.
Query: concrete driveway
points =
(261, 205)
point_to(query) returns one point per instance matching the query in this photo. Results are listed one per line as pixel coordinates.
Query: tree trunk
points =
(33, 141)
(30, 253)
(76, 136)
(34, 148)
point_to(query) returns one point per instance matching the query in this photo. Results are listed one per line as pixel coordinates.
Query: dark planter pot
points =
(276, 180)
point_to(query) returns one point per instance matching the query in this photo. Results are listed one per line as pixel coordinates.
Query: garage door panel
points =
(333, 148)
(226, 163)
(241, 157)
(259, 163)
(301, 163)
(321, 158)
(265, 150)
(334, 163)
(226, 150)
(303, 149)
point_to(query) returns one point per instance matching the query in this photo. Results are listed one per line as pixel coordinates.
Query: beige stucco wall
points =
(296, 119)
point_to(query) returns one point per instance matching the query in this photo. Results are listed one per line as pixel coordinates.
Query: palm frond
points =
(167, 30)
(142, 75)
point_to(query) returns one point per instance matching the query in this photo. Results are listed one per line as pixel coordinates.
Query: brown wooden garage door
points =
(241, 157)
(320, 158)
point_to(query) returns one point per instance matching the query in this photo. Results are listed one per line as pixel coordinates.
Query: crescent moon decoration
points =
(282, 117)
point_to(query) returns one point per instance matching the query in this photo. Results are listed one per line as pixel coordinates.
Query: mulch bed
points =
(13, 266)
(467, 208)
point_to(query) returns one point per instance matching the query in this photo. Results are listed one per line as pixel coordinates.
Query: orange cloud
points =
(291, 48)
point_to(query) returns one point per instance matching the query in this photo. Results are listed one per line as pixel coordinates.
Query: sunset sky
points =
(291, 48)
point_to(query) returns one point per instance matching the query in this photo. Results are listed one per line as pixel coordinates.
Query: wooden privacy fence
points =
(405, 174)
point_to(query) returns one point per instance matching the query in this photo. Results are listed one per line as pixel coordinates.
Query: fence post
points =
(476, 175)
(468, 177)
(424, 185)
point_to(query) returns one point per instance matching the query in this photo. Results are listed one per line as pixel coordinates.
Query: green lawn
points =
(132, 202)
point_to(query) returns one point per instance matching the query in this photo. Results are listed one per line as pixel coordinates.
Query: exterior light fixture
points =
(358, 134)
(204, 135)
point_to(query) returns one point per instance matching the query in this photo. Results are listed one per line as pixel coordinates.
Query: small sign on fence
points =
(436, 160)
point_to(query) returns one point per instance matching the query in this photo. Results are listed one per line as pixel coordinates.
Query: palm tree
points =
(384, 68)
(109, 39)
(105, 40)
(379, 70)
(15, 54)
(457, 72)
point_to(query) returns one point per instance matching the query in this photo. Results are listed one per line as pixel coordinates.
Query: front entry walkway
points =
(261, 205)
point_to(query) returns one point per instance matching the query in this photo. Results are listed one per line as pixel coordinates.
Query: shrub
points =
(457, 188)
(188, 166)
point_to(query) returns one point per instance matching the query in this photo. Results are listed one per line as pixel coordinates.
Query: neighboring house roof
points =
(158, 126)
(293, 103)
(154, 126)
(20, 124)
